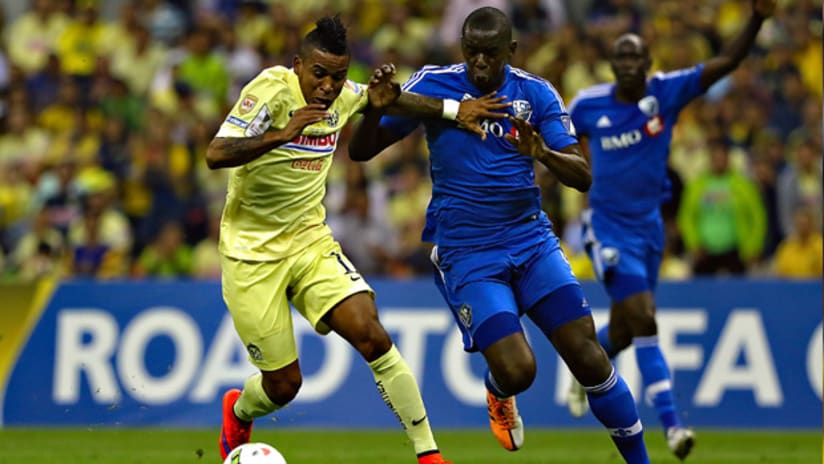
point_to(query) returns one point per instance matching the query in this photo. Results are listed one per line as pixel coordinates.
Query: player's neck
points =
(630, 95)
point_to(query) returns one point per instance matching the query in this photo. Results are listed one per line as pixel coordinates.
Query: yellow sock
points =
(399, 390)
(253, 401)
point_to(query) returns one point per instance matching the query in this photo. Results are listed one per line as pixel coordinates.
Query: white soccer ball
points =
(255, 453)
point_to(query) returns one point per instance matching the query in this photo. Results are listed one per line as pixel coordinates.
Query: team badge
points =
(333, 118)
(654, 126)
(248, 103)
(465, 315)
(610, 256)
(522, 109)
(648, 105)
(254, 352)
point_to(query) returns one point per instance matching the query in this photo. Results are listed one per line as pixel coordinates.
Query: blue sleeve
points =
(576, 115)
(552, 119)
(680, 87)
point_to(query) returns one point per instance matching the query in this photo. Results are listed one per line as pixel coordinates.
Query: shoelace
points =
(504, 414)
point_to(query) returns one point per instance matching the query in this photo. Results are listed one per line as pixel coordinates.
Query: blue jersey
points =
(629, 143)
(483, 192)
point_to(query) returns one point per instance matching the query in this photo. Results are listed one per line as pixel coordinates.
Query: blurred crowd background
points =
(107, 108)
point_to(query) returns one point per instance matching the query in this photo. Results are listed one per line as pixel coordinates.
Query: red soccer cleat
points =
(234, 432)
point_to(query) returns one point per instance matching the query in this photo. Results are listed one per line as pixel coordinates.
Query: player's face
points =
(486, 54)
(321, 75)
(630, 63)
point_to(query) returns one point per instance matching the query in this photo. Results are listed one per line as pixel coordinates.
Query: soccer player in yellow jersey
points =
(279, 139)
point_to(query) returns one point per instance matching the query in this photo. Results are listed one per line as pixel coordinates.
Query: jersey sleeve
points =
(680, 87)
(404, 125)
(576, 116)
(553, 121)
(359, 97)
(257, 108)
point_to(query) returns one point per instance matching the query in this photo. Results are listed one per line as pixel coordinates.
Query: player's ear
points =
(513, 46)
(297, 64)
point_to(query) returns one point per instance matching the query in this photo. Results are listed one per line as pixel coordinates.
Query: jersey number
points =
(492, 127)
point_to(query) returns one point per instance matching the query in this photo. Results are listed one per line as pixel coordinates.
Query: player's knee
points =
(282, 387)
(588, 362)
(516, 375)
(371, 340)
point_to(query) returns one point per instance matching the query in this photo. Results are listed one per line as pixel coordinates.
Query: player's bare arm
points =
(731, 56)
(569, 164)
(386, 97)
(227, 152)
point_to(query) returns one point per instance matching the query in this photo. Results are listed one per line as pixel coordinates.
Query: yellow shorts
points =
(258, 295)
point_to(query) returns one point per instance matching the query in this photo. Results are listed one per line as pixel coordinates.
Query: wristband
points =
(450, 109)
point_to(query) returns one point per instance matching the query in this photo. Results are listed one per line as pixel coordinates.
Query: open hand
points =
(472, 112)
(383, 90)
(528, 141)
(763, 8)
(306, 116)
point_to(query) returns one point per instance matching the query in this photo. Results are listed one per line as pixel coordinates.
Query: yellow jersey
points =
(274, 204)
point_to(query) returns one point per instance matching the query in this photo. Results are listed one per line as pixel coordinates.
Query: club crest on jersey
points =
(465, 315)
(648, 105)
(333, 118)
(654, 126)
(247, 104)
(254, 352)
(522, 109)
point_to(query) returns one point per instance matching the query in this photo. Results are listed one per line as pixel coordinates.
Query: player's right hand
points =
(472, 112)
(306, 116)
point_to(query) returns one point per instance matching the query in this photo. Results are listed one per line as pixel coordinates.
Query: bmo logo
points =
(624, 140)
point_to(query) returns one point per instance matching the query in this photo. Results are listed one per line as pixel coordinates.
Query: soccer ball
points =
(255, 453)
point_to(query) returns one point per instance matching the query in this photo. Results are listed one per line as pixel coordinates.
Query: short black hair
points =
(329, 35)
(488, 18)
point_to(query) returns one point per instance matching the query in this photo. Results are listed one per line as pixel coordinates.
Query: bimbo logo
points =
(315, 141)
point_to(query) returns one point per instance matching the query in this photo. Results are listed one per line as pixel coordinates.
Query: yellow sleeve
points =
(359, 96)
(259, 107)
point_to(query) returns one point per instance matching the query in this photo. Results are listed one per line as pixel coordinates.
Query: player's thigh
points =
(476, 288)
(619, 256)
(324, 277)
(255, 293)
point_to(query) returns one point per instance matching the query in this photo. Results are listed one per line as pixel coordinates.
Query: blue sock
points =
(493, 387)
(657, 382)
(612, 403)
(603, 339)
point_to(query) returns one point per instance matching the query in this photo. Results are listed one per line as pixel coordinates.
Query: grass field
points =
(142, 446)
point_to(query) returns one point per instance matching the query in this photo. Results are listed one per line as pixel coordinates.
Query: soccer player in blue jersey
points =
(495, 254)
(626, 128)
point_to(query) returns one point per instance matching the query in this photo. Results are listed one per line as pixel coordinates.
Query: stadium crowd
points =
(106, 118)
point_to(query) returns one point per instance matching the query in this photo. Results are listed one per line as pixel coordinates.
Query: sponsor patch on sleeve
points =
(234, 120)
(248, 103)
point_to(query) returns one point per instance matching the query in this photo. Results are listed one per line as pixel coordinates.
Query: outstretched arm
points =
(227, 152)
(717, 67)
(386, 97)
(568, 164)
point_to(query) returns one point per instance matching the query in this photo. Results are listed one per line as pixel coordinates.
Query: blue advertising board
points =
(743, 354)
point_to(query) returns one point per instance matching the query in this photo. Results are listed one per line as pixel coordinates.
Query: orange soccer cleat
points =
(432, 458)
(234, 432)
(506, 423)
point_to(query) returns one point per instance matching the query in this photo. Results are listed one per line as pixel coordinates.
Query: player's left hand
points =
(763, 8)
(383, 90)
(528, 141)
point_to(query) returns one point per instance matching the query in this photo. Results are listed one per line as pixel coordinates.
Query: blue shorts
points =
(479, 283)
(625, 252)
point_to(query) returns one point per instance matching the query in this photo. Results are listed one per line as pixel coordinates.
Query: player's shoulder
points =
(270, 80)
(662, 77)
(431, 73)
(534, 83)
(591, 96)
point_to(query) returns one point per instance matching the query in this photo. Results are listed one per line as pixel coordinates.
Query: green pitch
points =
(150, 446)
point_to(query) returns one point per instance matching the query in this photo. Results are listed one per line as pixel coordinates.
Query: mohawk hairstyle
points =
(329, 35)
